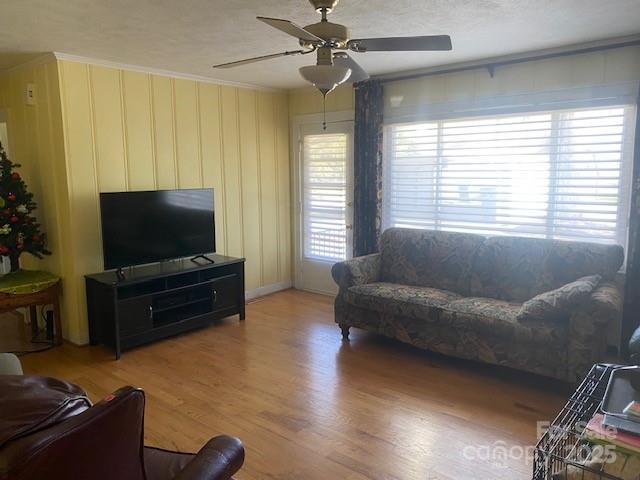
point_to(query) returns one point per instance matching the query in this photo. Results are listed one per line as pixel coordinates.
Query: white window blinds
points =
(324, 196)
(560, 174)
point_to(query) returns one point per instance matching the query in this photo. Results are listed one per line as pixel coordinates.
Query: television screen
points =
(147, 227)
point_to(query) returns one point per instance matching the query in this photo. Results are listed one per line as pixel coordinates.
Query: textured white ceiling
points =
(189, 36)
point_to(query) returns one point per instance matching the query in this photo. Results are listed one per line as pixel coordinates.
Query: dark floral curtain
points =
(367, 167)
(631, 316)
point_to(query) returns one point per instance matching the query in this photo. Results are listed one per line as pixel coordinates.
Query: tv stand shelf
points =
(156, 301)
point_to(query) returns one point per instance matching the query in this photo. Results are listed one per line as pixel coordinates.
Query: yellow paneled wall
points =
(96, 129)
(36, 142)
(126, 130)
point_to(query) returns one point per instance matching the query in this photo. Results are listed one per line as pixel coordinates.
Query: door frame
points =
(4, 118)
(297, 123)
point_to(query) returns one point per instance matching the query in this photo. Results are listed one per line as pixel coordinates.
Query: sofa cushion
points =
(557, 304)
(517, 269)
(406, 300)
(477, 316)
(428, 258)
(498, 318)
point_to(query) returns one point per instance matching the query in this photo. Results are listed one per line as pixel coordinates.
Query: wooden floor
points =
(308, 406)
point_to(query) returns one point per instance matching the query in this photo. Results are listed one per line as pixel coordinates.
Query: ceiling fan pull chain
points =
(324, 112)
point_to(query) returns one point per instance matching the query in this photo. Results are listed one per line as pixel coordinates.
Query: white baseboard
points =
(266, 290)
(320, 292)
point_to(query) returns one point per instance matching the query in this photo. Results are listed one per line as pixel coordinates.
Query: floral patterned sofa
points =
(532, 304)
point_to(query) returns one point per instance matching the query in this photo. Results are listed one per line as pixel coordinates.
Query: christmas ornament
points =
(3, 250)
(5, 229)
(11, 197)
(15, 176)
(14, 219)
(21, 209)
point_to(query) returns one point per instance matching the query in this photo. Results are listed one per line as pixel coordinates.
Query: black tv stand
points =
(204, 257)
(156, 301)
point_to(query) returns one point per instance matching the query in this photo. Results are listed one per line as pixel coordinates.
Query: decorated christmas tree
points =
(19, 230)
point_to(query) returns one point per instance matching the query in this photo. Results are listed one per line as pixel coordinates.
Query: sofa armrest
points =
(357, 271)
(607, 301)
(10, 364)
(219, 459)
(587, 328)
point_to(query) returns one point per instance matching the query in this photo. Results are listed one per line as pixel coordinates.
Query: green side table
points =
(30, 288)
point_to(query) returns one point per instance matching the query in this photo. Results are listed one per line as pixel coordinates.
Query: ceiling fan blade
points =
(401, 44)
(358, 74)
(290, 28)
(259, 59)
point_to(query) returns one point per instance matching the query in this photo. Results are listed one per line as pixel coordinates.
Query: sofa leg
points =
(345, 332)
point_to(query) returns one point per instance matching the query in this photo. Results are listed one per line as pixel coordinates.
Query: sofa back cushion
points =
(517, 269)
(428, 258)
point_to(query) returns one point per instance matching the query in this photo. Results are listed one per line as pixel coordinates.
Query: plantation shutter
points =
(324, 196)
(560, 174)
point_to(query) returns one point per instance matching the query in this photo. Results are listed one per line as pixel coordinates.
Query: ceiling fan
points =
(333, 68)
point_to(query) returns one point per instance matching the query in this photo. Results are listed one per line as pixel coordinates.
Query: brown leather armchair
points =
(49, 429)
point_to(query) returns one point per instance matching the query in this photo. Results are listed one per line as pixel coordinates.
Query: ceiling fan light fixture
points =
(325, 77)
(327, 5)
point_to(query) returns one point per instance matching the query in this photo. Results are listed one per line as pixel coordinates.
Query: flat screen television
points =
(147, 227)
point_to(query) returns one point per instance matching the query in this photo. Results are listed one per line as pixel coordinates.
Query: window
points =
(324, 196)
(561, 174)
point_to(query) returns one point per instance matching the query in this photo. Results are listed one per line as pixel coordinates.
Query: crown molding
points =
(158, 71)
(34, 62)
